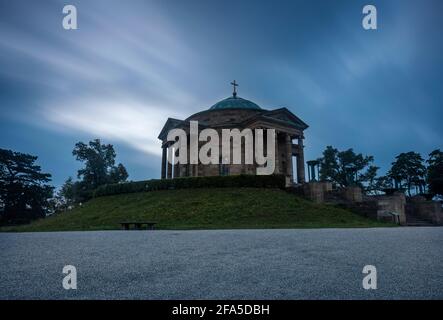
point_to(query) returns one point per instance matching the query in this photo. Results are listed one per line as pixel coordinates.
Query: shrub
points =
(268, 181)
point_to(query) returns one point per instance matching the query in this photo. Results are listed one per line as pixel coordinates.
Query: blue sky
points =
(132, 64)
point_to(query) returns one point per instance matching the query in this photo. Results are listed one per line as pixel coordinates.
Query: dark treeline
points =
(24, 191)
(409, 171)
(25, 194)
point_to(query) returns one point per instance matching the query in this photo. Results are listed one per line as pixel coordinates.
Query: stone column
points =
(277, 156)
(169, 175)
(195, 166)
(189, 165)
(300, 162)
(312, 174)
(289, 172)
(163, 162)
(176, 166)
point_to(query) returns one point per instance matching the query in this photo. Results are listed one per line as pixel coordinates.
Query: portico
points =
(238, 113)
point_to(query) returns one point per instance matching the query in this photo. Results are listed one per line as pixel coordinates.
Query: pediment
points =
(282, 117)
(283, 114)
(170, 124)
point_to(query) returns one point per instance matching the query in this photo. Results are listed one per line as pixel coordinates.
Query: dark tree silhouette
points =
(370, 177)
(345, 168)
(435, 172)
(99, 160)
(99, 169)
(408, 170)
(382, 183)
(24, 194)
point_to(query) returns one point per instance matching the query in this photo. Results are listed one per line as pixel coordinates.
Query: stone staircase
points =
(390, 207)
(415, 221)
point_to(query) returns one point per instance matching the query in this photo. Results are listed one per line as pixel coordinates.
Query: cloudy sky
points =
(132, 64)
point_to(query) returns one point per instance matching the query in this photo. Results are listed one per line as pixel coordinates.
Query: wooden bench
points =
(138, 225)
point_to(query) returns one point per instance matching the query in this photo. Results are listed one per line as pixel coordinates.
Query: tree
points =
(99, 162)
(344, 168)
(382, 183)
(408, 169)
(435, 172)
(329, 164)
(68, 195)
(24, 194)
(371, 178)
(99, 169)
(118, 174)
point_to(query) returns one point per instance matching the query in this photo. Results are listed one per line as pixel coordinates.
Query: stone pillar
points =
(169, 175)
(163, 162)
(277, 162)
(189, 165)
(176, 166)
(195, 165)
(314, 191)
(313, 172)
(311, 169)
(289, 172)
(300, 162)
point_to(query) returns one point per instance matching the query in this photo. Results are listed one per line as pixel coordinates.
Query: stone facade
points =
(352, 194)
(429, 210)
(387, 205)
(381, 207)
(238, 113)
(316, 191)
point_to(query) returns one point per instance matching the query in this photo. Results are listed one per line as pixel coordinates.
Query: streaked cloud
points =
(130, 65)
(122, 121)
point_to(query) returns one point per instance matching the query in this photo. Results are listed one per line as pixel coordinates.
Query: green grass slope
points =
(202, 209)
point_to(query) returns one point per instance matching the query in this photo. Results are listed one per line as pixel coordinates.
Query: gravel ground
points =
(224, 264)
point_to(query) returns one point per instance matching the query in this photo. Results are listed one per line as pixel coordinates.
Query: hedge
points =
(254, 181)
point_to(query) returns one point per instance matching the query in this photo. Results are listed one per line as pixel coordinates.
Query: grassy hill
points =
(215, 208)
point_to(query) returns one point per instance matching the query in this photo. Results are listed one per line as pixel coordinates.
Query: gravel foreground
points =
(224, 264)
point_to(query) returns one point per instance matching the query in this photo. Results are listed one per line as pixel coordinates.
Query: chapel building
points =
(236, 112)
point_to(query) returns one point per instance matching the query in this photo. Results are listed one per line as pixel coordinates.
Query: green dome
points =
(235, 103)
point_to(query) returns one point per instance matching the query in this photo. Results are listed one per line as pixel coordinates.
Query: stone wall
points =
(392, 203)
(352, 194)
(380, 207)
(429, 210)
(281, 162)
(327, 186)
(367, 208)
(316, 191)
(376, 207)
